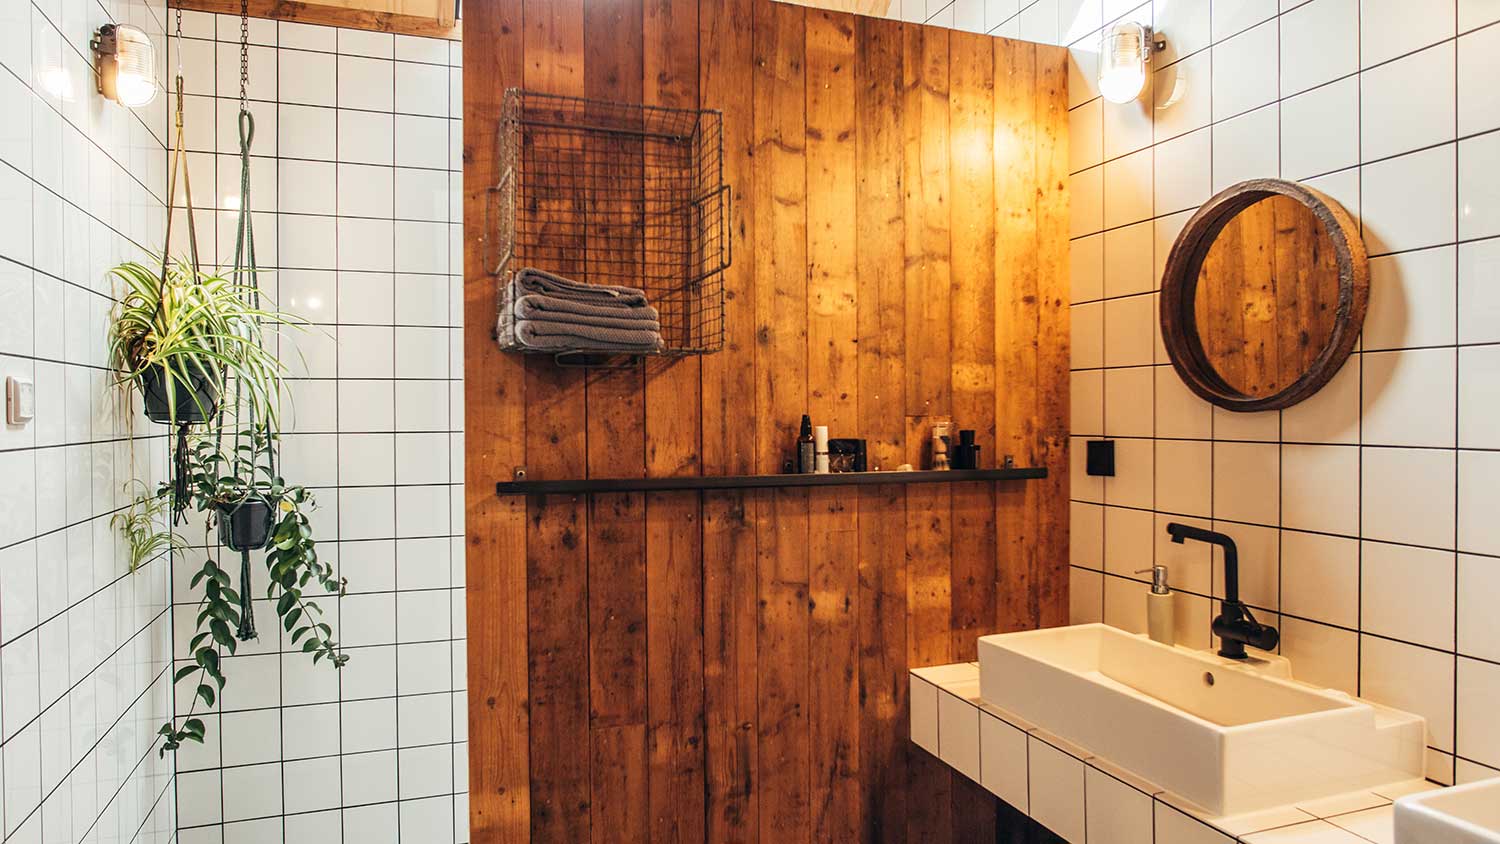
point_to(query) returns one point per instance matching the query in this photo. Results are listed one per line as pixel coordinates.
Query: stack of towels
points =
(542, 311)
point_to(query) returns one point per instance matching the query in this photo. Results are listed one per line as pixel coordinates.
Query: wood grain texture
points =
(674, 546)
(731, 666)
(619, 774)
(1017, 326)
(971, 173)
(556, 526)
(779, 201)
(1267, 296)
(929, 323)
(1264, 295)
(495, 422)
(434, 21)
(1050, 148)
(674, 681)
(832, 395)
(880, 238)
(673, 421)
(730, 577)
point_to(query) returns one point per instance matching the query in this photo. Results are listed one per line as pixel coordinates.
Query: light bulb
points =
(125, 60)
(1122, 62)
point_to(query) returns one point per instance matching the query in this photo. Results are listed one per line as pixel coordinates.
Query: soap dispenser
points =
(1160, 624)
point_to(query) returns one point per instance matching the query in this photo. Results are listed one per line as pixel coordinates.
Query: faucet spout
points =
(1180, 532)
(1234, 626)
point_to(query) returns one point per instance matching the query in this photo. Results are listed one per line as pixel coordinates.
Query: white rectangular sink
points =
(1222, 735)
(1465, 814)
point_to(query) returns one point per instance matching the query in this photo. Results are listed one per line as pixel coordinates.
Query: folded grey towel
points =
(539, 306)
(563, 336)
(533, 280)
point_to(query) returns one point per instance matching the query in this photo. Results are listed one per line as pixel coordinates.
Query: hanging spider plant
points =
(179, 335)
(144, 526)
(227, 476)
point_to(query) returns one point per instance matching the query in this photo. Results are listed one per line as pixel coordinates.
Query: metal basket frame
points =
(615, 193)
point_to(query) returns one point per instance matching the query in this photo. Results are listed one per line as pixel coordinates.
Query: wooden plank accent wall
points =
(731, 666)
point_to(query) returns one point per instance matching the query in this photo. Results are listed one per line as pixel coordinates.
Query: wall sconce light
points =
(1122, 63)
(125, 64)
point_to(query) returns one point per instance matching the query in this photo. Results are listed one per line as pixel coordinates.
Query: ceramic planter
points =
(192, 402)
(246, 526)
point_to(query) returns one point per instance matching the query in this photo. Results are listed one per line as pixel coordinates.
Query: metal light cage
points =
(614, 193)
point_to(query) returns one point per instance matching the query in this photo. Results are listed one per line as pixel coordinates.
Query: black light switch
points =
(1101, 458)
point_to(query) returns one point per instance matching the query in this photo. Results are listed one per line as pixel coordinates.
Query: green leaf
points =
(206, 693)
(184, 671)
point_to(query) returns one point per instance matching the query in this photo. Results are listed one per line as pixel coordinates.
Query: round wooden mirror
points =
(1264, 295)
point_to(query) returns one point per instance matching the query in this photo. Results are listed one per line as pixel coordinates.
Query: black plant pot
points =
(245, 526)
(195, 404)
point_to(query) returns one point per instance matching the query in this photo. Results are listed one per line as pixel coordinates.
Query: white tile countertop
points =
(1087, 800)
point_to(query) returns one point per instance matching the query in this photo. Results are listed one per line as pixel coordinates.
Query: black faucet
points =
(1234, 626)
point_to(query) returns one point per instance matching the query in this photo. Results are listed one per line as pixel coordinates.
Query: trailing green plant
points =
(143, 524)
(222, 476)
(192, 326)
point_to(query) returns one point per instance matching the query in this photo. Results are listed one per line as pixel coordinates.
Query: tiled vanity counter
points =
(1086, 800)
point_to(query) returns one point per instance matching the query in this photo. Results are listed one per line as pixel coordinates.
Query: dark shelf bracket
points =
(697, 482)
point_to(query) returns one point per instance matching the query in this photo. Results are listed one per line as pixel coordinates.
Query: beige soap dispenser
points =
(1160, 624)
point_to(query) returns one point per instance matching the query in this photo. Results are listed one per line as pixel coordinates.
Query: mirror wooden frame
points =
(1179, 324)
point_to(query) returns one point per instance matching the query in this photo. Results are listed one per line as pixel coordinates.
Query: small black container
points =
(246, 526)
(846, 454)
(191, 403)
(966, 453)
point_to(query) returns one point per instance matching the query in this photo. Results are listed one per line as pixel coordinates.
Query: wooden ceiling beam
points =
(373, 15)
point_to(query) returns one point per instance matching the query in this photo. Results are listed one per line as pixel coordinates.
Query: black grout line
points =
(1302, 618)
(254, 819)
(1263, 526)
(338, 450)
(1457, 388)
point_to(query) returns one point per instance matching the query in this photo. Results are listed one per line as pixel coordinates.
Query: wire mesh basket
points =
(614, 194)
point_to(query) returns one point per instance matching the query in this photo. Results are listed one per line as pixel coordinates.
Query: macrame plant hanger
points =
(179, 165)
(245, 273)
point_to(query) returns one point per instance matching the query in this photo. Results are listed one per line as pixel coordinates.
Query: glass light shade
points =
(1122, 62)
(125, 60)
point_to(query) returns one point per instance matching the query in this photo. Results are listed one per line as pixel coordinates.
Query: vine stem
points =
(327, 645)
(193, 708)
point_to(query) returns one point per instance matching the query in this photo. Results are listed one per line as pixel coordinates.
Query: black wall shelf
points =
(761, 481)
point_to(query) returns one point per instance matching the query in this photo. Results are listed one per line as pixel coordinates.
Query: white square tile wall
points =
(357, 187)
(1368, 533)
(85, 646)
(1348, 528)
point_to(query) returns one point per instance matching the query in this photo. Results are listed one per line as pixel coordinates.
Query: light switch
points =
(20, 400)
